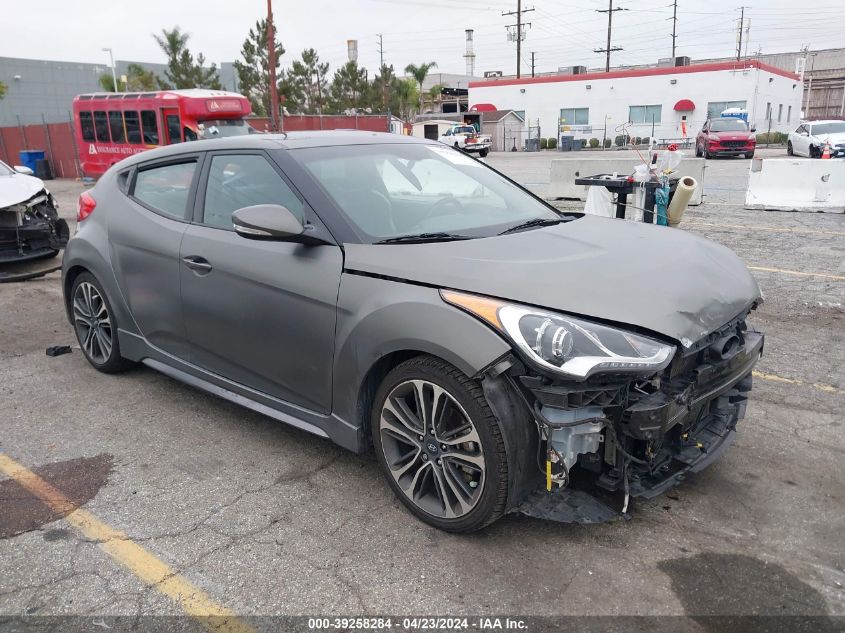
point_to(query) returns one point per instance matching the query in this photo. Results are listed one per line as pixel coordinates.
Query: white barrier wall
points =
(796, 184)
(564, 171)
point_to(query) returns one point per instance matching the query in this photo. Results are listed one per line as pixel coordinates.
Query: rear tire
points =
(456, 477)
(483, 153)
(95, 325)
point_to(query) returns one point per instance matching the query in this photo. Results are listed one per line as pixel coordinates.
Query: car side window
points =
(243, 180)
(165, 189)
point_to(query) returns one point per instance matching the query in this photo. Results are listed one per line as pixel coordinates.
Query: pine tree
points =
(254, 70)
(306, 82)
(350, 88)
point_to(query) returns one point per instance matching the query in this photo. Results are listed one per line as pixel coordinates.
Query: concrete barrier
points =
(796, 184)
(564, 171)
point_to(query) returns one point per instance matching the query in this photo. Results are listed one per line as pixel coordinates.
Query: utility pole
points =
(532, 63)
(739, 36)
(381, 50)
(674, 27)
(610, 11)
(271, 62)
(519, 35)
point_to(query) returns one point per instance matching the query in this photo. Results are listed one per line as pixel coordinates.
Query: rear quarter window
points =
(165, 189)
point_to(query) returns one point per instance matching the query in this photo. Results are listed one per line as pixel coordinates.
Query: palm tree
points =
(419, 73)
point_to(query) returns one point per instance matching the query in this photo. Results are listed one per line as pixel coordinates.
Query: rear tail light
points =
(86, 206)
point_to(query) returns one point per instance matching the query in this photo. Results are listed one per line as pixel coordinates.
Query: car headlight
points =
(564, 345)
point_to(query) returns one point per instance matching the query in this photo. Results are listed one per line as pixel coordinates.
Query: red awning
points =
(483, 107)
(684, 105)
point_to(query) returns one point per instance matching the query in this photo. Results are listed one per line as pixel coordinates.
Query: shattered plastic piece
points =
(566, 505)
(58, 350)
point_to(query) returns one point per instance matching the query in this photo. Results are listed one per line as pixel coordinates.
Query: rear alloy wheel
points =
(440, 446)
(93, 321)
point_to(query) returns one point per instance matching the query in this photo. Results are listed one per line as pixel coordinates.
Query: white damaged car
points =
(30, 227)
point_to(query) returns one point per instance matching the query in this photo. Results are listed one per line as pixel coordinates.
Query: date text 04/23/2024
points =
(418, 624)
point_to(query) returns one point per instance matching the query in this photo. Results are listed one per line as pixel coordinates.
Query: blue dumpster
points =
(28, 157)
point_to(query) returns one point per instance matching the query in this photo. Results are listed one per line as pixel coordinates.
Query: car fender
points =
(89, 250)
(379, 317)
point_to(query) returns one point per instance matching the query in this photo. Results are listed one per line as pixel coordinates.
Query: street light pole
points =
(113, 73)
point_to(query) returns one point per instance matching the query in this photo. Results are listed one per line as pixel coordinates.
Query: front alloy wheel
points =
(440, 446)
(432, 449)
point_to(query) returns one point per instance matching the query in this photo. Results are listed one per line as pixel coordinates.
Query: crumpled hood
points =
(664, 280)
(18, 188)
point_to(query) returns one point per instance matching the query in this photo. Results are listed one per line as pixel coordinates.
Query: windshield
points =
(728, 125)
(217, 128)
(464, 129)
(837, 127)
(401, 189)
(5, 170)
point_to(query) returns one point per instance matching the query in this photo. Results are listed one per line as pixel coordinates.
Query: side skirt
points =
(332, 427)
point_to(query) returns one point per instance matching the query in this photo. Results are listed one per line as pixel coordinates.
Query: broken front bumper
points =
(640, 438)
(31, 230)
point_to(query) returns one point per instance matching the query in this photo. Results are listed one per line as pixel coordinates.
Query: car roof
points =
(289, 141)
(824, 121)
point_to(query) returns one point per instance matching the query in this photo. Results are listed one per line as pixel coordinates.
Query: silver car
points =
(396, 295)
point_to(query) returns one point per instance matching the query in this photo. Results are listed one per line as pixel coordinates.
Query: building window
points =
(715, 108)
(780, 112)
(645, 114)
(768, 111)
(789, 114)
(574, 116)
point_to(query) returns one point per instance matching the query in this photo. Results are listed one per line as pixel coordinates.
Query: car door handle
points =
(198, 264)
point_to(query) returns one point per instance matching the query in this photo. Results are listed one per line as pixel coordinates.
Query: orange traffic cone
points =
(826, 152)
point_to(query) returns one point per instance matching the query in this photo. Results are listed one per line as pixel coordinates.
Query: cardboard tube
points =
(681, 199)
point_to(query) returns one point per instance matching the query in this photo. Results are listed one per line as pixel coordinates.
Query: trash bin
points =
(42, 169)
(29, 156)
(577, 145)
(566, 143)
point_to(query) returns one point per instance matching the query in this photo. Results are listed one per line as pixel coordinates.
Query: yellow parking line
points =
(149, 569)
(794, 381)
(797, 272)
(772, 229)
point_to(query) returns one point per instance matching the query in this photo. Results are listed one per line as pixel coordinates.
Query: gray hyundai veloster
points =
(396, 295)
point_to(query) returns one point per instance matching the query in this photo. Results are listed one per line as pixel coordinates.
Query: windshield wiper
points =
(531, 223)
(424, 237)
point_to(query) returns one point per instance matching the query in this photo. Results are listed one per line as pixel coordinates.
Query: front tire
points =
(440, 446)
(95, 325)
(789, 150)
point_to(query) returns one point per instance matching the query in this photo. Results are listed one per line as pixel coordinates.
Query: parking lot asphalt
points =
(257, 518)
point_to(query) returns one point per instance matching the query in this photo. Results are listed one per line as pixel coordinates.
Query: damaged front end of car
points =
(619, 415)
(32, 229)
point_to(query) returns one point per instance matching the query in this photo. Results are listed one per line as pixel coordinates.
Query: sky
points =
(562, 33)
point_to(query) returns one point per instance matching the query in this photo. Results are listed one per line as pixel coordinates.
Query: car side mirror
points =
(267, 222)
(753, 128)
(23, 169)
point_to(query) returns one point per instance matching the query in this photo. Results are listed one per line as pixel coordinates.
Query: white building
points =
(661, 102)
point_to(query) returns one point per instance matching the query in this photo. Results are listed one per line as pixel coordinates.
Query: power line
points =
(610, 11)
(519, 34)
